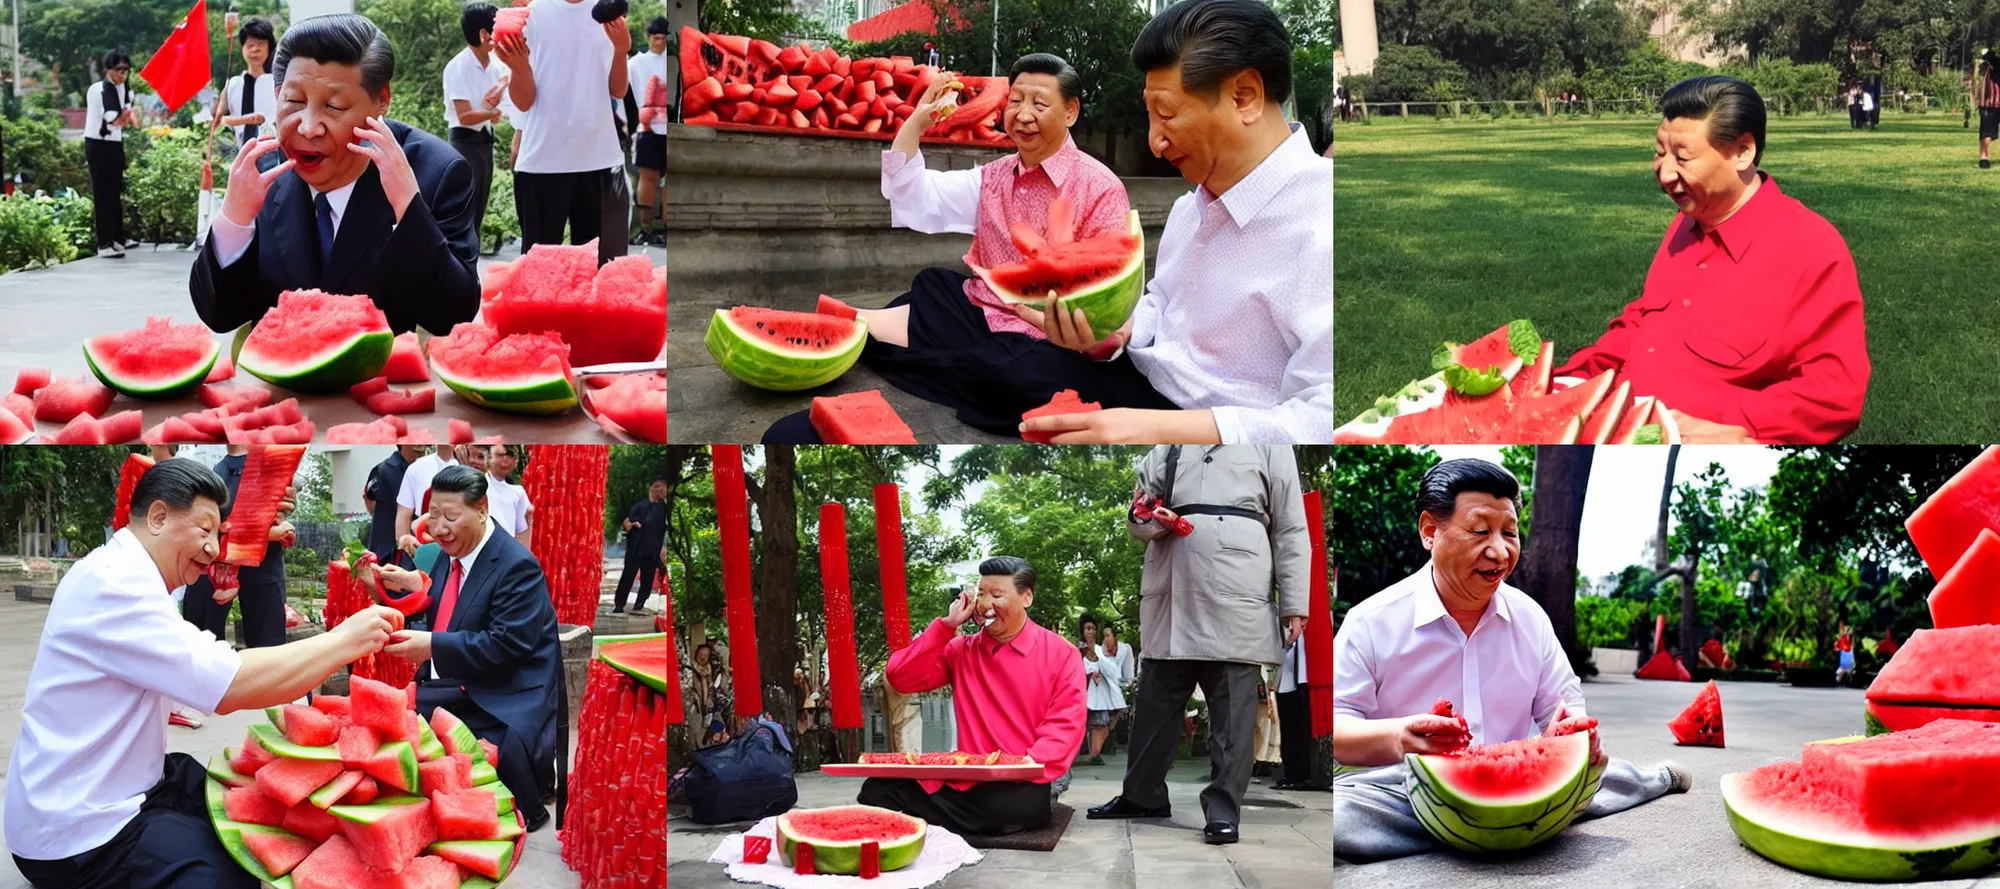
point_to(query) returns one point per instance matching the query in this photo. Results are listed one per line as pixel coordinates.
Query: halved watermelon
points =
(784, 351)
(160, 360)
(1103, 277)
(406, 361)
(859, 418)
(318, 342)
(523, 373)
(609, 314)
(1949, 522)
(1503, 797)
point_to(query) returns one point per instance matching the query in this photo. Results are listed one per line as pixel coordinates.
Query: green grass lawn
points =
(1446, 230)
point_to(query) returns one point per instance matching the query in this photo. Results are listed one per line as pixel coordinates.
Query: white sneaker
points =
(112, 252)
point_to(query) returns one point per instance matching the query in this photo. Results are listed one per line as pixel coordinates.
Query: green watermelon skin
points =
(1459, 817)
(271, 350)
(642, 657)
(747, 343)
(190, 345)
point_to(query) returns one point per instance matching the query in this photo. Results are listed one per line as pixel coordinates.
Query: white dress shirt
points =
(232, 240)
(1125, 671)
(568, 129)
(1292, 669)
(465, 78)
(94, 723)
(1105, 693)
(930, 201)
(98, 110)
(1399, 651)
(464, 580)
(644, 67)
(417, 480)
(508, 504)
(1239, 315)
(264, 100)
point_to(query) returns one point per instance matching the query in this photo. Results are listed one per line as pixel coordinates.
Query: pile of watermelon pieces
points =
(743, 83)
(359, 792)
(1501, 389)
(615, 832)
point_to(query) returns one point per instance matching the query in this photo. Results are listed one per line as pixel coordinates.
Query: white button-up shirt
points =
(417, 480)
(1399, 651)
(94, 724)
(1102, 680)
(508, 504)
(1239, 315)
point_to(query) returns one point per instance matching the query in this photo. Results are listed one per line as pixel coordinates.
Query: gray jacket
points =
(1208, 596)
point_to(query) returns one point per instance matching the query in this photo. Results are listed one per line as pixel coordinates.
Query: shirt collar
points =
(1254, 192)
(1024, 643)
(1429, 606)
(1738, 231)
(472, 558)
(338, 199)
(1058, 166)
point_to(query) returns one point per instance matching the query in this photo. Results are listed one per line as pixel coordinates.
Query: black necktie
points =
(248, 105)
(324, 209)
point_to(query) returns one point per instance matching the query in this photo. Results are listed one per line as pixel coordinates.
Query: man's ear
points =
(1427, 528)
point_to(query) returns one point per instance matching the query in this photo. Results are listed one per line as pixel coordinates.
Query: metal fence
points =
(1913, 104)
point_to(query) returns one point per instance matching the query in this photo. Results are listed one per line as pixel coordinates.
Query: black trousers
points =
(993, 808)
(106, 160)
(476, 146)
(263, 612)
(644, 573)
(582, 202)
(524, 772)
(1164, 689)
(170, 844)
(1295, 736)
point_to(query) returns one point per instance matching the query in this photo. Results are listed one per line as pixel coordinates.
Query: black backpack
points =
(747, 779)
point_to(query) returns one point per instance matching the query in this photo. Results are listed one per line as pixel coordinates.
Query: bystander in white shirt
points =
(99, 121)
(94, 723)
(466, 79)
(1238, 318)
(414, 495)
(568, 129)
(642, 68)
(508, 504)
(1399, 651)
(1101, 683)
(264, 101)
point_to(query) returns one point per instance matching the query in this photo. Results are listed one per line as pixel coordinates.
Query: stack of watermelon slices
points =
(1500, 389)
(615, 834)
(743, 83)
(359, 792)
(566, 484)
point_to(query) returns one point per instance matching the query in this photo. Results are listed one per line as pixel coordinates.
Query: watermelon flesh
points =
(522, 373)
(252, 757)
(308, 726)
(1664, 666)
(859, 418)
(334, 865)
(1103, 277)
(312, 822)
(377, 705)
(1700, 725)
(1950, 522)
(160, 360)
(290, 781)
(468, 814)
(1969, 594)
(1892, 807)
(388, 836)
(65, 398)
(634, 403)
(29, 379)
(406, 361)
(449, 774)
(318, 342)
(1503, 797)
(487, 858)
(267, 471)
(251, 805)
(1943, 668)
(278, 851)
(508, 23)
(357, 744)
(1064, 402)
(784, 351)
(836, 836)
(610, 314)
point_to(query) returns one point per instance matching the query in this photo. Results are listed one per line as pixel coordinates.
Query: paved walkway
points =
(1287, 841)
(1680, 840)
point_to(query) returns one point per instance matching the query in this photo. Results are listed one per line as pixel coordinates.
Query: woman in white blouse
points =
(109, 112)
(251, 100)
(1103, 695)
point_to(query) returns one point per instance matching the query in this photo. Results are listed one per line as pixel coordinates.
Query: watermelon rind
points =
(220, 770)
(218, 811)
(503, 799)
(479, 856)
(274, 741)
(1799, 844)
(478, 883)
(540, 394)
(230, 833)
(1474, 825)
(456, 736)
(331, 793)
(483, 773)
(174, 386)
(837, 857)
(613, 652)
(1106, 304)
(333, 369)
(752, 358)
(430, 748)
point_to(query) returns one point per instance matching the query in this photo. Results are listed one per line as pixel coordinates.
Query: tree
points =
(1548, 566)
(1666, 505)
(775, 20)
(426, 36)
(777, 578)
(1371, 507)
(73, 488)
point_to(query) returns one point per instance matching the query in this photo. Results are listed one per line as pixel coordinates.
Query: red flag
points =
(1319, 623)
(180, 69)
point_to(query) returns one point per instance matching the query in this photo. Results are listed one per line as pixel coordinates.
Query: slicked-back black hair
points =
(1731, 106)
(1212, 39)
(340, 39)
(462, 480)
(659, 26)
(1014, 567)
(180, 482)
(1438, 495)
(1068, 83)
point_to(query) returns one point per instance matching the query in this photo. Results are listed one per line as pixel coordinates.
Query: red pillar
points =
(843, 666)
(1319, 623)
(732, 513)
(889, 545)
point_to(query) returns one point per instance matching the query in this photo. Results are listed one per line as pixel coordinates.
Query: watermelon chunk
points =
(406, 361)
(827, 305)
(492, 752)
(21, 406)
(223, 369)
(29, 379)
(357, 744)
(394, 765)
(427, 743)
(453, 732)
(83, 429)
(252, 757)
(407, 401)
(609, 314)
(1065, 402)
(1969, 594)
(447, 775)
(363, 793)
(159, 360)
(14, 430)
(1950, 521)
(859, 418)
(470, 814)
(1700, 725)
(65, 398)
(336, 790)
(272, 740)
(251, 805)
(291, 780)
(1664, 666)
(332, 705)
(488, 858)
(218, 768)
(318, 342)
(310, 821)
(306, 726)
(266, 473)
(784, 351)
(334, 865)
(521, 373)
(377, 705)
(387, 836)
(1943, 668)
(635, 404)
(279, 851)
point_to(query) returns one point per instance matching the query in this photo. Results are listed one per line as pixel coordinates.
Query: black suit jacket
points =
(423, 273)
(501, 645)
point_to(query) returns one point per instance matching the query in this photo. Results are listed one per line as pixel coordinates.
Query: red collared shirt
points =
(1024, 696)
(1756, 323)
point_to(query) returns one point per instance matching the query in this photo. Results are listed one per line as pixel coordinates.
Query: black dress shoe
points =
(1220, 833)
(1119, 808)
(535, 824)
(1288, 785)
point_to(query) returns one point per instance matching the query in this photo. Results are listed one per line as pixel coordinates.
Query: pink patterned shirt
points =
(1024, 696)
(987, 200)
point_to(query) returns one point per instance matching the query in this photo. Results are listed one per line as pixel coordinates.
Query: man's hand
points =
(1597, 757)
(224, 597)
(513, 51)
(1295, 626)
(376, 142)
(1695, 430)
(1065, 327)
(408, 544)
(282, 530)
(620, 34)
(933, 100)
(248, 185)
(390, 577)
(368, 630)
(1428, 733)
(961, 609)
(493, 93)
(289, 501)
(410, 645)
(1118, 425)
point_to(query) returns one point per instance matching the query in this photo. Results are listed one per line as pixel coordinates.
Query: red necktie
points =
(450, 598)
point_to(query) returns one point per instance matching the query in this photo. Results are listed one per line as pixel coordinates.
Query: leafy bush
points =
(425, 34)
(1606, 623)
(45, 161)
(1416, 74)
(75, 216)
(163, 185)
(501, 224)
(30, 235)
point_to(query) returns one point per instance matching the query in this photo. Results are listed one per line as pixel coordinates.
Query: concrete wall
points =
(776, 220)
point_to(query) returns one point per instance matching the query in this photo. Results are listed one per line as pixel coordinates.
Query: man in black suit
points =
(360, 204)
(487, 650)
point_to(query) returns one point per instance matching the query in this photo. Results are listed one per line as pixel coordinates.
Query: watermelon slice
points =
(312, 822)
(406, 361)
(291, 780)
(859, 418)
(336, 790)
(66, 398)
(453, 734)
(488, 858)
(1065, 402)
(1103, 277)
(252, 757)
(160, 360)
(827, 305)
(448, 775)
(1949, 668)
(503, 798)
(468, 814)
(635, 404)
(318, 342)
(304, 726)
(267, 471)
(377, 705)
(609, 314)
(394, 765)
(1666, 667)
(1602, 423)
(251, 805)
(387, 836)
(219, 769)
(428, 746)
(277, 850)
(523, 373)
(483, 773)
(334, 865)
(269, 738)
(29, 379)
(1700, 725)
(1950, 521)
(1637, 414)
(642, 657)
(1969, 594)
(357, 744)
(784, 351)
(1556, 418)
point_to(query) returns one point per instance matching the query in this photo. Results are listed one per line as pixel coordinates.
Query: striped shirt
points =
(1989, 89)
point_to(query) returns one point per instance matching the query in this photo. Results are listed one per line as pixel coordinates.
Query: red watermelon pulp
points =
(520, 373)
(859, 418)
(1950, 521)
(318, 342)
(634, 403)
(1065, 402)
(610, 314)
(1700, 725)
(159, 360)
(1938, 674)
(1664, 666)
(1969, 594)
